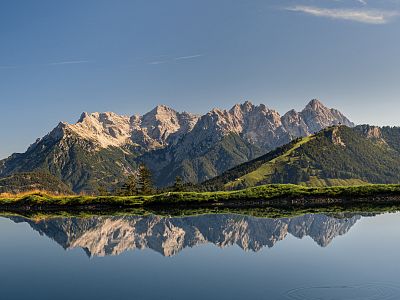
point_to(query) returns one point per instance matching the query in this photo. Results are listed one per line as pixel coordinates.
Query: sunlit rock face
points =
(265, 127)
(155, 129)
(101, 236)
(317, 116)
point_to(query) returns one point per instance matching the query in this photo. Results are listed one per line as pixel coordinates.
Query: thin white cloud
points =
(188, 57)
(69, 62)
(363, 2)
(175, 59)
(58, 63)
(357, 15)
(158, 62)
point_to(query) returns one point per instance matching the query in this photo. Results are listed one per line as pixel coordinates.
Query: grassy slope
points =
(267, 169)
(319, 182)
(266, 192)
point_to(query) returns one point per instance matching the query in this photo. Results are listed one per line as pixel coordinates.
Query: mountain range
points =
(101, 236)
(101, 149)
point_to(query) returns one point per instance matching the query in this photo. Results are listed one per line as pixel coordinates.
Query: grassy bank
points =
(285, 194)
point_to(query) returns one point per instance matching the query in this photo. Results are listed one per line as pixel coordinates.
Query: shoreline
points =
(37, 213)
(262, 197)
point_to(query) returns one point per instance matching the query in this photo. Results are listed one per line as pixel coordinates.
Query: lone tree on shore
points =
(178, 185)
(144, 181)
(130, 186)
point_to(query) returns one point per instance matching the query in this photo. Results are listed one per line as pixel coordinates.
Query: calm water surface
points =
(211, 256)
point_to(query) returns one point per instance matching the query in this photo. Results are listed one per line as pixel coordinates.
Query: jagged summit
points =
(317, 116)
(163, 125)
(152, 130)
(265, 127)
(315, 104)
(160, 112)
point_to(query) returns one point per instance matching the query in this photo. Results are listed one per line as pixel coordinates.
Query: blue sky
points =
(60, 58)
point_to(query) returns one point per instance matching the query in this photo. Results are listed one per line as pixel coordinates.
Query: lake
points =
(216, 256)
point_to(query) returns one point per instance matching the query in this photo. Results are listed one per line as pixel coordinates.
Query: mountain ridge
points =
(103, 148)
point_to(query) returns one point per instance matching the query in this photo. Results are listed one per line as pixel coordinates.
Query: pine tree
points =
(144, 181)
(178, 185)
(130, 186)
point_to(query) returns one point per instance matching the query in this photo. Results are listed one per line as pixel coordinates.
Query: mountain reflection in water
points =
(101, 236)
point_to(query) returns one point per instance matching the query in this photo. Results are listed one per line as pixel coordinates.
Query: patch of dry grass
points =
(35, 192)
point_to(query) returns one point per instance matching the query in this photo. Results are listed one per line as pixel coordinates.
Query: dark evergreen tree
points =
(131, 186)
(178, 185)
(144, 181)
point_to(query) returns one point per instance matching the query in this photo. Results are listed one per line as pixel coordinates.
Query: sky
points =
(61, 58)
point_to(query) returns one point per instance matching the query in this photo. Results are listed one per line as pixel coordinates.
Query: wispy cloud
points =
(363, 2)
(158, 62)
(188, 57)
(175, 59)
(57, 63)
(69, 62)
(357, 15)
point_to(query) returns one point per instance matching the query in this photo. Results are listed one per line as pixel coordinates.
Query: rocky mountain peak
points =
(317, 116)
(83, 116)
(160, 112)
(243, 108)
(291, 115)
(247, 106)
(159, 116)
(162, 126)
(104, 129)
(315, 104)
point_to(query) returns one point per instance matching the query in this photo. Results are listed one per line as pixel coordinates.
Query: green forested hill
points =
(25, 182)
(335, 156)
